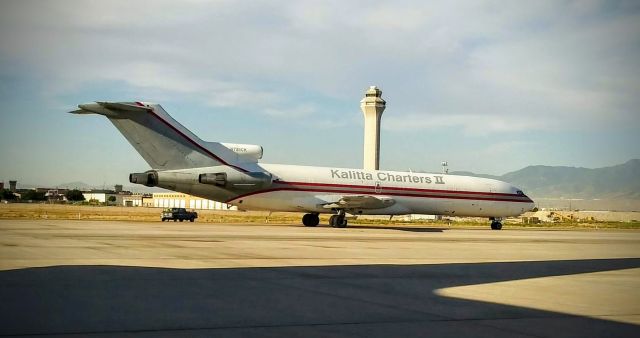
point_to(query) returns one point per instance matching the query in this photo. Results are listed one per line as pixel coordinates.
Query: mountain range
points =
(616, 182)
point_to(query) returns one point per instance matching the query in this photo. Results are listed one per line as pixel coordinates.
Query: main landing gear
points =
(310, 220)
(336, 221)
(339, 220)
(496, 224)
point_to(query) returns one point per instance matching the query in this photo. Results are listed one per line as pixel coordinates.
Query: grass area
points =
(583, 225)
(507, 224)
(143, 214)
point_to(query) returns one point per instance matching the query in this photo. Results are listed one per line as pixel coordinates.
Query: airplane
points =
(231, 173)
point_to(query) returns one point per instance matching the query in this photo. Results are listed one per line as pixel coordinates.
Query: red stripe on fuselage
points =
(344, 191)
(396, 188)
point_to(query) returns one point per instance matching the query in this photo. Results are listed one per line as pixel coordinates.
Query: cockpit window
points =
(519, 192)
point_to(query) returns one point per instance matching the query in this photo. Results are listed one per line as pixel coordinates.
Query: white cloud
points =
(478, 124)
(490, 65)
(296, 111)
(501, 71)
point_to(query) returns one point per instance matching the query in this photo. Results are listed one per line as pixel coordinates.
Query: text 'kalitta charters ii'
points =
(384, 176)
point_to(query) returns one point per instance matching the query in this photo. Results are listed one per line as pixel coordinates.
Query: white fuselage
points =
(308, 189)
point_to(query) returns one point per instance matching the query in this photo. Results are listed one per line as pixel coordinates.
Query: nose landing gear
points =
(496, 224)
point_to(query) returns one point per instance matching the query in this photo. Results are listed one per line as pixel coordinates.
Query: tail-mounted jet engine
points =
(223, 177)
(237, 180)
(245, 152)
(149, 178)
(164, 179)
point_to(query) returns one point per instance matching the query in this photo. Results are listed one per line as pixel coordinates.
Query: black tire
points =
(310, 220)
(341, 222)
(175, 220)
(163, 219)
(338, 221)
(192, 219)
(496, 225)
(182, 219)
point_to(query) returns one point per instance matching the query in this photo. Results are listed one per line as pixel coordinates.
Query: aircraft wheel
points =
(191, 219)
(341, 221)
(495, 225)
(338, 221)
(332, 220)
(310, 220)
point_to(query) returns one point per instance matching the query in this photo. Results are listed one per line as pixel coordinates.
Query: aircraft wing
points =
(361, 202)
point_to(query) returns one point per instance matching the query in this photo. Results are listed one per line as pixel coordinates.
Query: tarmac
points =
(98, 278)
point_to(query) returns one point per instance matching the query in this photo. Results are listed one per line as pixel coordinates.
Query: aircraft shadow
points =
(361, 300)
(397, 228)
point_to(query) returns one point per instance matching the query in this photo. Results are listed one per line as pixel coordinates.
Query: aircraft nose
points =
(531, 205)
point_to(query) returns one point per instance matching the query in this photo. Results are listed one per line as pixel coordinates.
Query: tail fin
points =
(162, 141)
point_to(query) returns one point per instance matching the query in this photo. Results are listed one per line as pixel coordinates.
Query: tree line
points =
(74, 195)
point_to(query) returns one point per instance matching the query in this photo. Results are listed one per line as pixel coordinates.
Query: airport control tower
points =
(372, 106)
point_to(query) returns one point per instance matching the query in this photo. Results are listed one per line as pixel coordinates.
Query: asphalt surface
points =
(84, 278)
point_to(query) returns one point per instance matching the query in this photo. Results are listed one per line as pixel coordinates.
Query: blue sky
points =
(489, 86)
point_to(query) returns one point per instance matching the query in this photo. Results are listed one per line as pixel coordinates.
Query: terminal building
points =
(180, 200)
(168, 199)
